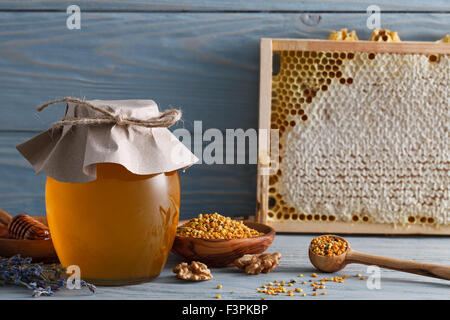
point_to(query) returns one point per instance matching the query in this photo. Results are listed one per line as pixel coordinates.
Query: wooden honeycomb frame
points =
(271, 205)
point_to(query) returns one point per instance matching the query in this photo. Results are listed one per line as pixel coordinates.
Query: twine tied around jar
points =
(164, 119)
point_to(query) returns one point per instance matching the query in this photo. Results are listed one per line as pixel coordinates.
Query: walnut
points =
(257, 263)
(196, 271)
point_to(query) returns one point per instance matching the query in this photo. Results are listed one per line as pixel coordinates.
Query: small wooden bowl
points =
(221, 253)
(39, 250)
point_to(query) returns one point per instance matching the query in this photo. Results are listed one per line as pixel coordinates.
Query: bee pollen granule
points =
(328, 246)
(216, 226)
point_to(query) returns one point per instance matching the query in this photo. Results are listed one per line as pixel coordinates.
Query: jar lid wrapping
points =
(70, 153)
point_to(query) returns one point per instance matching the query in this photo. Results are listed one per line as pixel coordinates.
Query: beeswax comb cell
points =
(363, 136)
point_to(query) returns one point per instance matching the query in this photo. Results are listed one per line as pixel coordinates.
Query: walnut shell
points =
(196, 271)
(258, 263)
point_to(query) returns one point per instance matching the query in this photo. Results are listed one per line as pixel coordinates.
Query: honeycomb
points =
(343, 35)
(384, 35)
(436, 57)
(380, 35)
(445, 39)
(363, 138)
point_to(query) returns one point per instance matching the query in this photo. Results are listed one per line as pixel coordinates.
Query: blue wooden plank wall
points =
(201, 56)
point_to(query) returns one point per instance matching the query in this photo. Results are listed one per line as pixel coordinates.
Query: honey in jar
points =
(113, 189)
(123, 229)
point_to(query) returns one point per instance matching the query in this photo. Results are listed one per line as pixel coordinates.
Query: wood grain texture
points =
(39, 250)
(206, 64)
(228, 5)
(411, 47)
(294, 250)
(336, 263)
(358, 228)
(227, 189)
(264, 143)
(420, 268)
(220, 253)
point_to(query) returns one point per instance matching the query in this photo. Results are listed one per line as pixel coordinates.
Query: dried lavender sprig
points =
(42, 292)
(42, 279)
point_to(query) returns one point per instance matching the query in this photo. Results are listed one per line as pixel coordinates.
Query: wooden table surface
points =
(394, 285)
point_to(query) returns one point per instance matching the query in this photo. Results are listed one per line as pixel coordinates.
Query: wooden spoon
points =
(336, 263)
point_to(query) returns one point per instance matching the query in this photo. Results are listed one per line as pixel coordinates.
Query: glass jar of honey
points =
(123, 229)
(113, 190)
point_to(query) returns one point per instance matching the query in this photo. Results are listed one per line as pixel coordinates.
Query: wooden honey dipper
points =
(338, 262)
(25, 227)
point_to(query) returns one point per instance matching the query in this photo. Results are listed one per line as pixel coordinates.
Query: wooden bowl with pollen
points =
(222, 252)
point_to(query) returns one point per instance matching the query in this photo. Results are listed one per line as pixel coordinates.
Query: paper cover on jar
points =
(69, 153)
